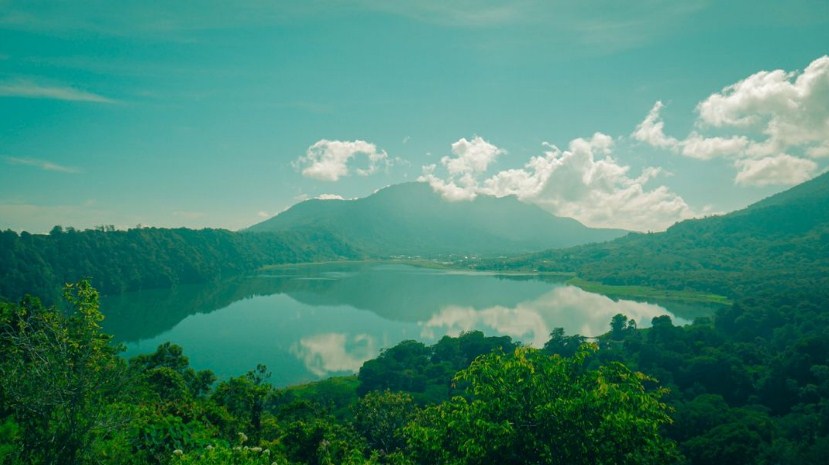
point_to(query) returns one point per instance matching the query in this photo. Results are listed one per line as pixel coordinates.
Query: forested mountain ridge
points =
(783, 239)
(411, 219)
(147, 258)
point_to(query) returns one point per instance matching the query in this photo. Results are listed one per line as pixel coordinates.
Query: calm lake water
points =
(311, 322)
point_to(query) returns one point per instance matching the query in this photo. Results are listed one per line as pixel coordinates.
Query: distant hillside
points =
(782, 239)
(411, 219)
(147, 258)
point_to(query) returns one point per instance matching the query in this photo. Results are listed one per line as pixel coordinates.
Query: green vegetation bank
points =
(66, 397)
(146, 258)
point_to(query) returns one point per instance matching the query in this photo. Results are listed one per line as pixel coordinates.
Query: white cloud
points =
(584, 182)
(651, 129)
(329, 160)
(791, 109)
(471, 158)
(28, 89)
(706, 148)
(780, 169)
(42, 164)
(775, 123)
(329, 197)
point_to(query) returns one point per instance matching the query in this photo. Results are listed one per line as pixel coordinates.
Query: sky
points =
(219, 114)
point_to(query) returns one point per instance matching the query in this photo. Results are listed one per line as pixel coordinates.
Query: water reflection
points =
(308, 323)
(568, 307)
(327, 353)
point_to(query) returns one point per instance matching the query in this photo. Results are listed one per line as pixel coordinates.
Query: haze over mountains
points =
(411, 219)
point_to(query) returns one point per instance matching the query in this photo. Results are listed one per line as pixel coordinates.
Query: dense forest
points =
(145, 258)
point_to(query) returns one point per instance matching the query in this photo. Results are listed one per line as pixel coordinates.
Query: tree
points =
(171, 357)
(620, 325)
(561, 344)
(57, 375)
(380, 417)
(245, 398)
(531, 408)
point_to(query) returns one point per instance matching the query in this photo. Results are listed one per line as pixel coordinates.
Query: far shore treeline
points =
(148, 258)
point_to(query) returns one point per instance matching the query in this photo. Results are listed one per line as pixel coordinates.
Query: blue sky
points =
(219, 114)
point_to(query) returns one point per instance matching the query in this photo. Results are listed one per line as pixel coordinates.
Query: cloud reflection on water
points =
(568, 307)
(328, 353)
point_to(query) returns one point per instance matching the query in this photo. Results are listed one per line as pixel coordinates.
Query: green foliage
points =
(335, 394)
(561, 344)
(168, 370)
(147, 258)
(322, 441)
(9, 437)
(245, 398)
(426, 372)
(224, 455)
(748, 386)
(69, 399)
(534, 408)
(380, 417)
(57, 374)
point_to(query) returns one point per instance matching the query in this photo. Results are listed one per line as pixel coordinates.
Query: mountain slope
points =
(411, 219)
(782, 240)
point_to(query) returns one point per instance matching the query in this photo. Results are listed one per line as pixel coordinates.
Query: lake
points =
(310, 322)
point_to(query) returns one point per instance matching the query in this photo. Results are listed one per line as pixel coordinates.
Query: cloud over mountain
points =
(772, 125)
(329, 160)
(583, 182)
(470, 160)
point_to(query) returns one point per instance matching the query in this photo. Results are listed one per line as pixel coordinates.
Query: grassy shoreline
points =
(644, 292)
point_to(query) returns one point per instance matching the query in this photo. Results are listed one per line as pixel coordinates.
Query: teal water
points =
(311, 322)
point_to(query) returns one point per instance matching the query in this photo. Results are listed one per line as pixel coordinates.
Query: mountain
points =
(782, 240)
(411, 219)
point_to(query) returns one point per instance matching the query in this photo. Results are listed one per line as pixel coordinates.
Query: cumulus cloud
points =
(469, 160)
(583, 182)
(776, 123)
(706, 148)
(470, 157)
(779, 169)
(329, 160)
(651, 129)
